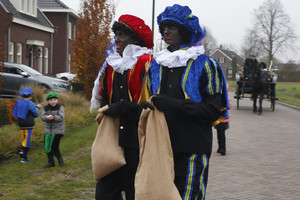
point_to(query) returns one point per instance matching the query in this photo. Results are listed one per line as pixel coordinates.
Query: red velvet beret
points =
(138, 25)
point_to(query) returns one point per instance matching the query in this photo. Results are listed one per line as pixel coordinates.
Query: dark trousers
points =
(55, 145)
(191, 175)
(221, 134)
(111, 186)
(55, 149)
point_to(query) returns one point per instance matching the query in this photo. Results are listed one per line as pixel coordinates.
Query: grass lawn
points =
(72, 181)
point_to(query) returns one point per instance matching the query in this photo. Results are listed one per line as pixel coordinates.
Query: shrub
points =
(10, 107)
(4, 119)
(73, 99)
(77, 87)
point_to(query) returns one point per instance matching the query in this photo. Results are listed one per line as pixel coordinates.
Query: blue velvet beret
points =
(26, 92)
(183, 16)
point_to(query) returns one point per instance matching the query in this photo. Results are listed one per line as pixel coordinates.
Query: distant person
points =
(25, 111)
(263, 66)
(54, 117)
(221, 131)
(246, 70)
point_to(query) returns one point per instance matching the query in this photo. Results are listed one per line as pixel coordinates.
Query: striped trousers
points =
(25, 141)
(191, 175)
(26, 137)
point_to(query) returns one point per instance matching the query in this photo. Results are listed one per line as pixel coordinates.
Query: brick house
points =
(26, 35)
(37, 33)
(64, 20)
(229, 61)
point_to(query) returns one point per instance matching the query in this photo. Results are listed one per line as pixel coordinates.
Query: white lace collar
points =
(129, 59)
(179, 57)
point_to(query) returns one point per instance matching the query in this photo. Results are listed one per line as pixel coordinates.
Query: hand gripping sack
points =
(154, 178)
(107, 156)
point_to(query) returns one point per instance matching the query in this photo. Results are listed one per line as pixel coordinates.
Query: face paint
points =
(172, 37)
(122, 40)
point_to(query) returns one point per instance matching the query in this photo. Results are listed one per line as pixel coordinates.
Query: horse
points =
(258, 80)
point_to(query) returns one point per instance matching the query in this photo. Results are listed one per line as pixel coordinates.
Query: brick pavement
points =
(263, 155)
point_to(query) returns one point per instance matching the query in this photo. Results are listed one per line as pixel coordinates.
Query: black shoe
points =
(60, 161)
(49, 165)
(218, 151)
(222, 152)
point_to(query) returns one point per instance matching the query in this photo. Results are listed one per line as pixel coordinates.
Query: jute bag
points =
(107, 156)
(154, 178)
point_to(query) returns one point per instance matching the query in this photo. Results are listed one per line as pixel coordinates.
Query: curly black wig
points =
(185, 34)
(120, 27)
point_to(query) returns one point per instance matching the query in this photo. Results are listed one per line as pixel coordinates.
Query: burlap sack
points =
(155, 174)
(107, 156)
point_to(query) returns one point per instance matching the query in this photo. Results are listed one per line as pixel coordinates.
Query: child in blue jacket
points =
(25, 111)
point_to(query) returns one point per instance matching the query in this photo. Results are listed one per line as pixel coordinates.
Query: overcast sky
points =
(227, 20)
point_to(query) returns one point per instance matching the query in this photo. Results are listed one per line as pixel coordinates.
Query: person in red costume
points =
(120, 86)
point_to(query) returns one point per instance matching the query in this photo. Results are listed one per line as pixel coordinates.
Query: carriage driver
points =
(247, 65)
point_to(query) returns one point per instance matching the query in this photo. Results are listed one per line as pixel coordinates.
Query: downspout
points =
(51, 53)
(8, 41)
(67, 60)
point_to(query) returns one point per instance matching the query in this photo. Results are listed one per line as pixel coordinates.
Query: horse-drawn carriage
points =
(259, 83)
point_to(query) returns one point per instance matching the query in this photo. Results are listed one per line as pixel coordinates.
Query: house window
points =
(222, 60)
(69, 30)
(46, 60)
(29, 7)
(19, 53)
(74, 32)
(40, 54)
(229, 71)
(69, 64)
(11, 52)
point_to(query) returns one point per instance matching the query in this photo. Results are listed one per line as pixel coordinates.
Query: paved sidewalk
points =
(263, 155)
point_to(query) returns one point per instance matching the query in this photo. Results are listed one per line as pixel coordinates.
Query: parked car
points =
(67, 76)
(15, 75)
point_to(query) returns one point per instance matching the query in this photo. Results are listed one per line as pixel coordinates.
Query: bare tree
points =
(92, 39)
(273, 29)
(209, 42)
(251, 45)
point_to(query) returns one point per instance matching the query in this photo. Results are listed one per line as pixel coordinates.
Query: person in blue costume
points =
(25, 111)
(190, 89)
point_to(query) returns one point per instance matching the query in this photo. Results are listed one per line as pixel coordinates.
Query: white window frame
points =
(19, 53)
(11, 50)
(222, 60)
(74, 32)
(46, 60)
(70, 30)
(69, 64)
(41, 60)
(29, 7)
(229, 71)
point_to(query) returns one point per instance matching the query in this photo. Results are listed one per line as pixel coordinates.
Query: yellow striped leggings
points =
(191, 174)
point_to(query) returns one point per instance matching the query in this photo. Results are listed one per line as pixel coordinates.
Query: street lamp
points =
(153, 13)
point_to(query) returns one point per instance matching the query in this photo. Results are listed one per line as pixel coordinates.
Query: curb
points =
(288, 105)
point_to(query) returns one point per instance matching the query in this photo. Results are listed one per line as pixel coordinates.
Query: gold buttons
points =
(121, 86)
(171, 70)
(121, 127)
(170, 86)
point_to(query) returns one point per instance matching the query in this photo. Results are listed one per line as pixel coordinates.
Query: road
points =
(263, 155)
